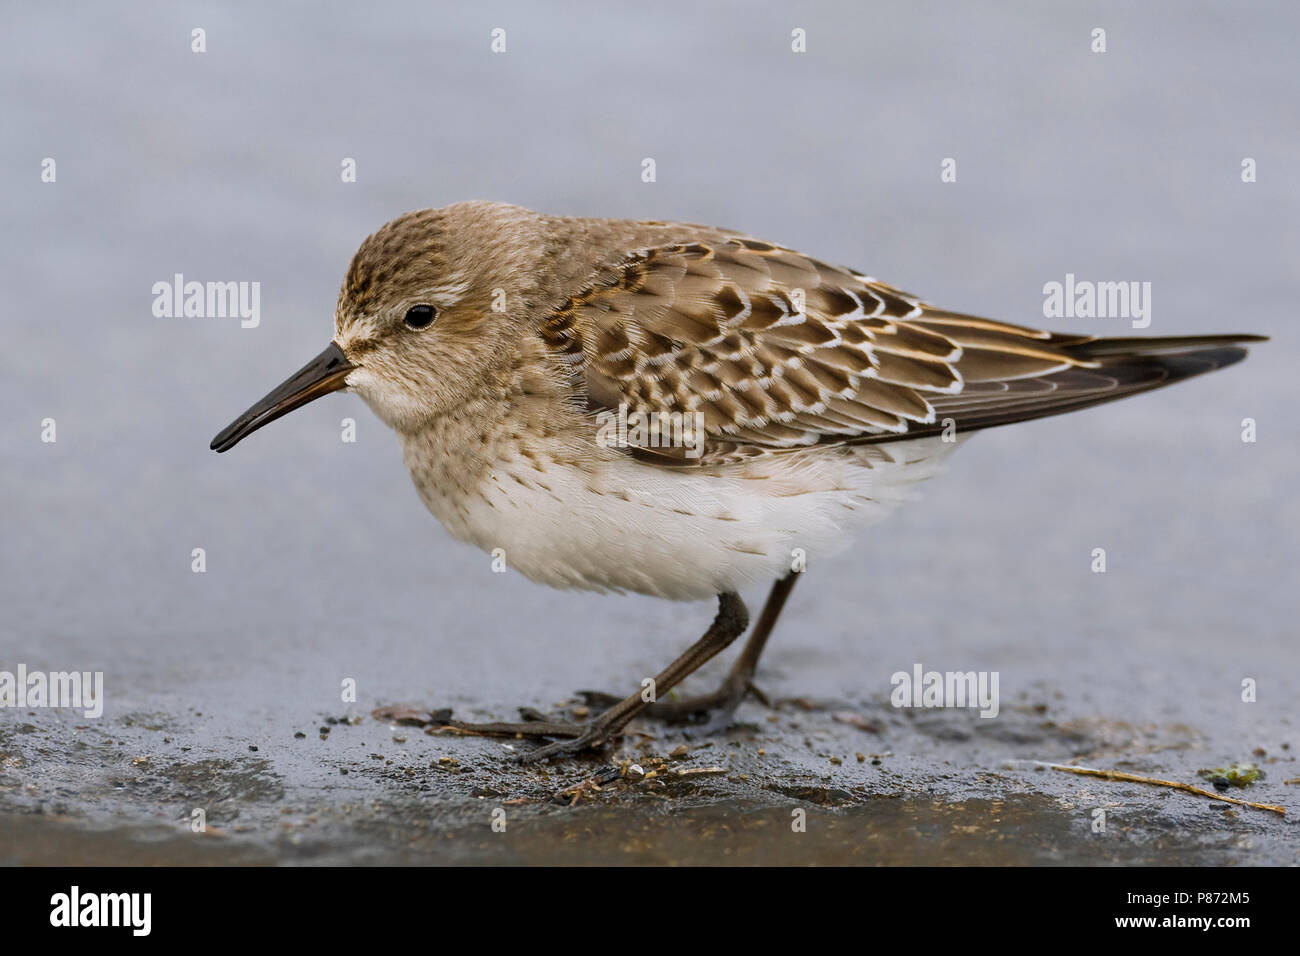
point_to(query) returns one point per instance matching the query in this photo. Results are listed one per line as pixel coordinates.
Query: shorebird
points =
(803, 400)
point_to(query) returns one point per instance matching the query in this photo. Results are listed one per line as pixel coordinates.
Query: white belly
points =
(679, 533)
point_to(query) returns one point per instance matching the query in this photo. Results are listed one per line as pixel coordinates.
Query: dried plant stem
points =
(1156, 782)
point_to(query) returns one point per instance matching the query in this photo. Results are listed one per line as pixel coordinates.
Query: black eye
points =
(420, 316)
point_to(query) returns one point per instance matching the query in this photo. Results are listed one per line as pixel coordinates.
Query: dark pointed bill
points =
(322, 375)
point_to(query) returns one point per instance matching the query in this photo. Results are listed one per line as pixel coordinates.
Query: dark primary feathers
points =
(780, 351)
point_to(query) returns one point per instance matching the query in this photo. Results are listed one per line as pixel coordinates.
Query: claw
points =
(592, 739)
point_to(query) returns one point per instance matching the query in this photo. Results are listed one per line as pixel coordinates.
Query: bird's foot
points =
(576, 737)
(711, 712)
(591, 736)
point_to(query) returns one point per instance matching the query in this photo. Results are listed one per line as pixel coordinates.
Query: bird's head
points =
(429, 316)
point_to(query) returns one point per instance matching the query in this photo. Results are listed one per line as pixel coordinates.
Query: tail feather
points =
(1096, 348)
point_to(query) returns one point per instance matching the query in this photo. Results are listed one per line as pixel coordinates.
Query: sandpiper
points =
(809, 399)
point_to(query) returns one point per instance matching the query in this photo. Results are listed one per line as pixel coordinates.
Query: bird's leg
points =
(721, 704)
(730, 623)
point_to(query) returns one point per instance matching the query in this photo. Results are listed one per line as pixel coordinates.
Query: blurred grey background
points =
(322, 563)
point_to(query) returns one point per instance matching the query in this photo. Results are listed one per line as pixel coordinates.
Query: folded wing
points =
(778, 351)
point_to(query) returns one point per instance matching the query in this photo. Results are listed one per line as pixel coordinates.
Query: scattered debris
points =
(571, 795)
(409, 716)
(629, 775)
(1233, 775)
(854, 719)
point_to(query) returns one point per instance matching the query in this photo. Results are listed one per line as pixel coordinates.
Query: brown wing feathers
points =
(777, 350)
